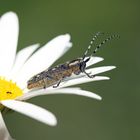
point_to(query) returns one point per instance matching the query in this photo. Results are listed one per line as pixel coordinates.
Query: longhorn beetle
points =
(54, 76)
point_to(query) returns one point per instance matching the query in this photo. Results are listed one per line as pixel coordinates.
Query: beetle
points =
(54, 76)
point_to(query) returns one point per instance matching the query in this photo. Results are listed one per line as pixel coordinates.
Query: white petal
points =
(75, 91)
(82, 80)
(21, 57)
(94, 71)
(38, 92)
(8, 41)
(45, 57)
(32, 111)
(93, 60)
(4, 134)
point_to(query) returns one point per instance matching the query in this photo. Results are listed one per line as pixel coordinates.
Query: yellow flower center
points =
(9, 90)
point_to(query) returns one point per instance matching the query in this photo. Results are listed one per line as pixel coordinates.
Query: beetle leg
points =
(44, 86)
(88, 74)
(55, 86)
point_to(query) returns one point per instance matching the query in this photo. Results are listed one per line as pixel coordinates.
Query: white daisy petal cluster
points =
(17, 68)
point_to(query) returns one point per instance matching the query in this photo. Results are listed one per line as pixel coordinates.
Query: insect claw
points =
(55, 86)
(88, 74)
(92, 76)
(44, 84)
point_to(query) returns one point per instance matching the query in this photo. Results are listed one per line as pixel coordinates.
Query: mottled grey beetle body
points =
(55, 75)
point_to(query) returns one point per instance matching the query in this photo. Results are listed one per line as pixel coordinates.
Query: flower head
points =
(17, 68)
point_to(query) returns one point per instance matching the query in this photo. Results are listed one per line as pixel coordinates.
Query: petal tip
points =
(69, 44)
(101, 58)
(98, 97)
(52, 121)
(114, 67)
(67, 35)
(107, 78)
(10, 13)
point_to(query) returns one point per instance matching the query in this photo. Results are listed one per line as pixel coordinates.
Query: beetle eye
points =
(83, 66)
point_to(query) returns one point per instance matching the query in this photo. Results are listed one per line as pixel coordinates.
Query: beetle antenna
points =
(103, 42)
(91, 43)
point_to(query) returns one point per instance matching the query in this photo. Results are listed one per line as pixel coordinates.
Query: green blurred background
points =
(117, 116)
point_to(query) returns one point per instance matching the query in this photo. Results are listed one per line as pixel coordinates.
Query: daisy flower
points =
(17, 68)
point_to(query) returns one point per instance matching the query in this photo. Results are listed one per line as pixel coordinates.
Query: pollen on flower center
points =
(9, 89)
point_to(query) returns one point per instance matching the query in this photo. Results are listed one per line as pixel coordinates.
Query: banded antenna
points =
(103, 42)
(91, 43)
